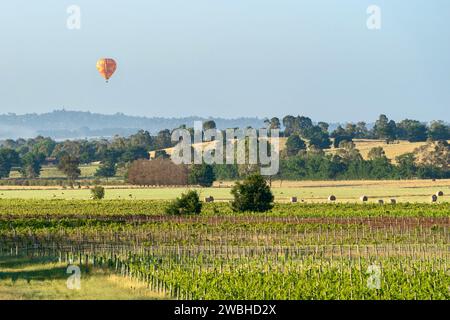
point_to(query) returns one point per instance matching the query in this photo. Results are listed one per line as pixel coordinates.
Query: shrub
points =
(253, 194)
(188, 203)
(98, 193)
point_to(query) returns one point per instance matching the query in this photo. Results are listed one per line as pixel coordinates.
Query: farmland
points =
(295, 251)
(308, 191)
(127, 247)
(392, 150)
(364, 146)
(228, 151)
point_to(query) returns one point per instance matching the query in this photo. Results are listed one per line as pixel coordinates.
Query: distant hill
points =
(63, 124)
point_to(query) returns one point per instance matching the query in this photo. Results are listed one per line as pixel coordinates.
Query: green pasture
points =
(307, 194)
(87, 171)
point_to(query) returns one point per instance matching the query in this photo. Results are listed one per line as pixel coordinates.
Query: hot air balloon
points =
(106, 67)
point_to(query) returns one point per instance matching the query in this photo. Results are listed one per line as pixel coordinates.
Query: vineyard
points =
(295, 251)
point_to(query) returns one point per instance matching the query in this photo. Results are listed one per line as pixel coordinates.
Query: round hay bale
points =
(381, 201)
(440, 193)
(332, 198)
(364, 198)
(393, 201)
(434, 198)
(293, 199)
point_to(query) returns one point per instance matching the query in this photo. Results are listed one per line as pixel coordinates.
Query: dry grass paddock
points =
(392, 150)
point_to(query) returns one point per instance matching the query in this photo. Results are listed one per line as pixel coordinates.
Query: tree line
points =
(29, 155)
(302, 158)
(385, 129)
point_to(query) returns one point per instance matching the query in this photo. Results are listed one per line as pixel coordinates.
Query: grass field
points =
(87, 171)
(127, 247)
(22, 278)
(308, 191)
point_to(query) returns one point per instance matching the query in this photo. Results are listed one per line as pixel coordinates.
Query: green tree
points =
(317, 166)
(32, 165)
(253, 194)
(337, 142)
(188, 203)
(44, 146)
(294, 144)
(71, 148)
(161, 154)
(163, 139)
(69, 166)
(361, 130)
(339, 131)
(201, 174)
(376, 153)
(106, 170)
(324, 126)
(289, 125)
(348, 152)
(274, 123)
(210, 124)
(141, 139)
(381, 168)
(133, 153)
(226, 171)
(305, 125)
(293, 168)
(385, 128)
(380, 165)
(318, 138)
(8, 159)
(98, 193)
(412, 130)
(351, 129)
(340, 135)
(439, 131)
(406, 165)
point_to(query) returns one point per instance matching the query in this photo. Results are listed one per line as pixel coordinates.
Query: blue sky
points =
(229, 58)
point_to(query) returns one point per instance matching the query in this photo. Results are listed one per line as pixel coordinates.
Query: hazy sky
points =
(229, 58)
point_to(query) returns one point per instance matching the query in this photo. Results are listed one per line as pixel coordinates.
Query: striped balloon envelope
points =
(106, 67)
